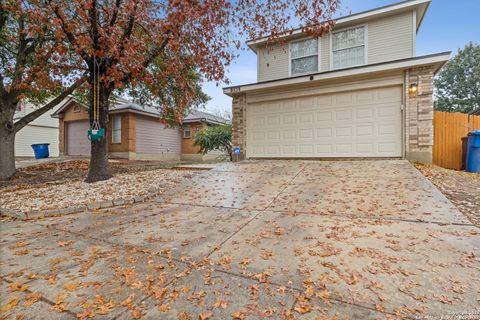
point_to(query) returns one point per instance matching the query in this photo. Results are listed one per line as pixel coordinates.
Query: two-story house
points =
(358, 91)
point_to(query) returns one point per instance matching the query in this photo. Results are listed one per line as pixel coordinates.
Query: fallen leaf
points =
(17, 287)
(205, 315)
(221, 304)
(12, 302)
(31, 298)
(70, 286)
(86, 314)
(238, 315)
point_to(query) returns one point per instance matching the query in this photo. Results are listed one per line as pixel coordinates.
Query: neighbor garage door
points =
(365, 123)
(76, 138)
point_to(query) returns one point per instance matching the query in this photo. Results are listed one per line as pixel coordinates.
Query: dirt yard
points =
(461, 188)
(74, 170)
(60, 185)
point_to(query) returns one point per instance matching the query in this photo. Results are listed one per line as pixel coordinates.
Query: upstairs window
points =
(304, 56)
(117, 129)
(348, 48)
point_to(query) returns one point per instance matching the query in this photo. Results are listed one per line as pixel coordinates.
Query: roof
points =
(200, 116)
(420, 6)
(119, 105)
(437, 59)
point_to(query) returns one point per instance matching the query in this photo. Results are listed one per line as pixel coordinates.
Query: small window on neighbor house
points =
(76, 109)
(186, 132)
(304, 56)
(117, 129)
(348, 48)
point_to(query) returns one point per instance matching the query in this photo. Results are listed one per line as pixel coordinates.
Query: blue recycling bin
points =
(473, 151)
(41, 150)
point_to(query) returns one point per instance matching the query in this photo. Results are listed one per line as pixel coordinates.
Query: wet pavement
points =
(252, 240)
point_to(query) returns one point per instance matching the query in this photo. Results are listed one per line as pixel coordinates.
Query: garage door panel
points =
(323, 116)
(363, 123)
(77, 141)
(290, 119)
(344, 99)
(290, 105)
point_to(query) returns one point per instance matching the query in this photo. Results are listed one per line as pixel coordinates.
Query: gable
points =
(387, 38)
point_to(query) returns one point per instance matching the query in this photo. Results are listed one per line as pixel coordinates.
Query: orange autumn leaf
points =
(205, 315)
(238, 315)
(70, 286)
(221, 304)
(31, 298)
(17, 287)
(12, 302)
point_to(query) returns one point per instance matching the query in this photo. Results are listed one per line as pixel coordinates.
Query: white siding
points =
(389, 38)
(44, 129)
(36, 134)
(273, 62)
(154, 137)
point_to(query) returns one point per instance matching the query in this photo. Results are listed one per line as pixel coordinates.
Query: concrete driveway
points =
(256, 239)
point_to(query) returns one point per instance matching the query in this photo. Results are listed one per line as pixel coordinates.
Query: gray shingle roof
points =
(120, 104)
(197, 115)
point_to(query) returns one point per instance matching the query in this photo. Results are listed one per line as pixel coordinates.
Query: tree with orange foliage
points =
(33, 66)
(157, 45)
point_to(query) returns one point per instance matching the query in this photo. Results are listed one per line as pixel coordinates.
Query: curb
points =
(71, 210)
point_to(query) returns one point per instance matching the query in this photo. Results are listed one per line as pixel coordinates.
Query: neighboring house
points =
(358, 91)
(135, 132)
(191, 124)
(44, 129)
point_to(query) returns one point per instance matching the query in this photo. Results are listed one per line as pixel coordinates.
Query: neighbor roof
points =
(420, 6)
(123, 105)
(200, 116)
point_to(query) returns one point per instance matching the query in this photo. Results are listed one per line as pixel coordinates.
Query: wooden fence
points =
(449, 128)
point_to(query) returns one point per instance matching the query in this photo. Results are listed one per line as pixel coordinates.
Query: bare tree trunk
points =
(98, 169)
(7, 153)
(7, 141)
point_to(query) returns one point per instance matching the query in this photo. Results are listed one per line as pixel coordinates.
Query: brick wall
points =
(128, 140)
(188, 146)
(419, 115)
(239, 110)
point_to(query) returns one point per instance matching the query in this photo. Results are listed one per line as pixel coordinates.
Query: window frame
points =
(114, 141)
(365, 46)
(290, 74)
(189, 132)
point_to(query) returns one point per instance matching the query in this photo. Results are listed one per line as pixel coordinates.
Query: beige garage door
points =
(77, 141)
(365, 123)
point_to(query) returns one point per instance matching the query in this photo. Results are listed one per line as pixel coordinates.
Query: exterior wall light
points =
(413, 90)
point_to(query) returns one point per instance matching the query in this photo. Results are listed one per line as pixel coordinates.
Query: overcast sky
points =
(447, 26)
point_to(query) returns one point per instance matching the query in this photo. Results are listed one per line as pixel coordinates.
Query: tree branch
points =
(37, 113)
(115, 13)
(70, 35)
(150, 57)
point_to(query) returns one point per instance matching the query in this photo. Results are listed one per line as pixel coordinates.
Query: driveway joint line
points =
(285, 185)
(349, 215)
(42, 298)
(294, 288)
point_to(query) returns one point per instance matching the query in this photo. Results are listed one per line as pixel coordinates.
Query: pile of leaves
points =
(461, 188)
(60, 172)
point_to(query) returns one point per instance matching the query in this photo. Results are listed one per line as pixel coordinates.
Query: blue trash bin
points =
(41, 150)
(473, 151)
